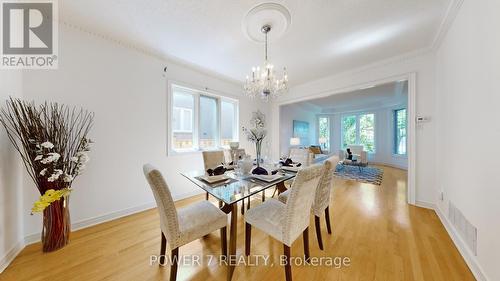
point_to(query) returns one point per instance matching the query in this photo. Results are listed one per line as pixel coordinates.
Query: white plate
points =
(214, 179)
(268, 178)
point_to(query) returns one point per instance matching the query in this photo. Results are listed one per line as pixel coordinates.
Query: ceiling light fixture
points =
(263, 81)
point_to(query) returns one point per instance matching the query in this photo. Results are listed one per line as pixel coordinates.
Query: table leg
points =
(281, 187)
(233, 209)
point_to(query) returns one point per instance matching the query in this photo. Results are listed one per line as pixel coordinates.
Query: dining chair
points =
(184, 225)
(285, 222)
(321, 201)
(211, 160)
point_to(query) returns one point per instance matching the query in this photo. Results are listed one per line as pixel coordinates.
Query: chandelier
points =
(263, 81)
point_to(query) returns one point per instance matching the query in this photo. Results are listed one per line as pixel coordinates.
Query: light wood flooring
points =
(384, 238)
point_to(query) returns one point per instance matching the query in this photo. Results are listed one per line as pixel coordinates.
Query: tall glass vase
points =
(258, 149)
(56, 225)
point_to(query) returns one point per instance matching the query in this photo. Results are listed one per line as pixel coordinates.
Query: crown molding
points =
(450, 15)
(168, 59)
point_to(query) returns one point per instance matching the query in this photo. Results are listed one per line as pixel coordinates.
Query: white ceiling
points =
(325, 36)
(384, 95)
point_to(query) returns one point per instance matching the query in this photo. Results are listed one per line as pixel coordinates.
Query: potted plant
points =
(53, 144)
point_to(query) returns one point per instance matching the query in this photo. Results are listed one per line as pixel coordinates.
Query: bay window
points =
(359, 129)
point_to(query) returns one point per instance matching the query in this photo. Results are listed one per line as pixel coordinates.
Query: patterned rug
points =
(368, 174)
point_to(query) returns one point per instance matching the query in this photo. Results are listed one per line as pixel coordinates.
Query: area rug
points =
(368, 174)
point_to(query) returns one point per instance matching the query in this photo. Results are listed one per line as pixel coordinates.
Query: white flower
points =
(51, 157)
(68, 178)
(47, 144)
(57, 173)
(74, 159)
(43, 172)
(83, 157)
(38, 157)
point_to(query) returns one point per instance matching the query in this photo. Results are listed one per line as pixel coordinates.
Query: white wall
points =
(468, 72)
(295, 112)
(128, 93)
(423, 65)
(11, 235)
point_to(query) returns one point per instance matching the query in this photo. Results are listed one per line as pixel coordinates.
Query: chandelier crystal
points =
(263, 81)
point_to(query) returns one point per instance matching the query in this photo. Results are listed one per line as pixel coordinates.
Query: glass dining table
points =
(234, 189)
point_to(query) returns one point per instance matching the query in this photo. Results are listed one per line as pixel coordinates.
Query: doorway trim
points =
(411, 77)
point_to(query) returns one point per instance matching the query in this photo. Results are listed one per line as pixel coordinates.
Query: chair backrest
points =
(169, 222)
(233, 155)
(301, 155)
(213, 159)
(356, 149)
(322, 197)
(299, 202)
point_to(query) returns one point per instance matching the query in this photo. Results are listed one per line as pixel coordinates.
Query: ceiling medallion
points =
(263, 80)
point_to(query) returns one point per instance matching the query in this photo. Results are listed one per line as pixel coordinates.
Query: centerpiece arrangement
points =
(257, 133)
(53, 144)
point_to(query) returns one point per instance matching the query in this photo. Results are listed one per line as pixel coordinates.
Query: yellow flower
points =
(47, 198)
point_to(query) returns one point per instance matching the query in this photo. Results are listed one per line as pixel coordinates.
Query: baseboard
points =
(388, 165)
(11, 255)
(35, 237)
(468, 256)
(424, 204)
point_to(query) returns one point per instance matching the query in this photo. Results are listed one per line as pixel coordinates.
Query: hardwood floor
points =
(384, 238)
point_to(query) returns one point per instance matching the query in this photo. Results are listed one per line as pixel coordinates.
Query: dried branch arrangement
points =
(52, 142)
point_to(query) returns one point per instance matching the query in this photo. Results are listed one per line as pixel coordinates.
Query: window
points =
(208, 122)
(229, 123)
(348, 130)
(324, 132)
(359, 129)
(182, 120)
(367, 131)
(201, 121)
(400, 125)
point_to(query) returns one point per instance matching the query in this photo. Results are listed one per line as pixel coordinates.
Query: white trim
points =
(11, 255)
(392, 165)
(411, 135)
(451, 14)
(426, 205)
(468, 256)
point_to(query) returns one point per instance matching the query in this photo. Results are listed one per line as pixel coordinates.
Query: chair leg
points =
(223, 238)
(248, 203)
(248, 238)
(243, 206)
(318, 232)
(288, 268)
(206, 196)
(163, 247)
(327, 217)
(175, 261)
(263, 196)
(305, 237)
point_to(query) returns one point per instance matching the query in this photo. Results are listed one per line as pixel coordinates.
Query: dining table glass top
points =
(236, 187)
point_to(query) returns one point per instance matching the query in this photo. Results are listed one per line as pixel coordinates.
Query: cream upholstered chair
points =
(187, 224)
(211, 160)
(358, 151)
(321, 202)
(301, 155)
(285, 222)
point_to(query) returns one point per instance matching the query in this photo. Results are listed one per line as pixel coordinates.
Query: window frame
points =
(197, 94)
(329, 122)
(395, 132)
(358, 129)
